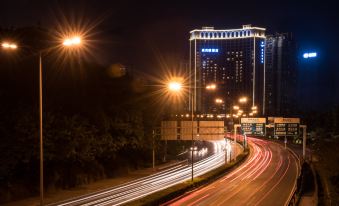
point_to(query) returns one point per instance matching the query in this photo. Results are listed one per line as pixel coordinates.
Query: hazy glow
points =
(309, 55)
(211, 87)
(243, 100)
(72, 41)
(235, 107)
(218, 101)
(254, 107)
(7, 45)
(174, 86)
(210, 50)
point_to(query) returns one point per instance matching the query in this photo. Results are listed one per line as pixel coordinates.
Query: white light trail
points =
(144, 186)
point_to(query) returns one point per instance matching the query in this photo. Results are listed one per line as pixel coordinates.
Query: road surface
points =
(267, 177)
(144, 186)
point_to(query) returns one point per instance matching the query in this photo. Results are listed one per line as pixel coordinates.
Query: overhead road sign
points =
(253, 126)
(286, 126)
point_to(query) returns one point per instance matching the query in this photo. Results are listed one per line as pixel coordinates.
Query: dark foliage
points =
(94, 123)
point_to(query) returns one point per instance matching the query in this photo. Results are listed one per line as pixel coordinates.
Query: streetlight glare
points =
(235, 107)
(174, 86)
(72, 41)
(243, 100)
(211, 87)
(218, 101)
(7, 45)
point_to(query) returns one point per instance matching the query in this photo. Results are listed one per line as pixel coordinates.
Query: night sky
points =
(152, 36)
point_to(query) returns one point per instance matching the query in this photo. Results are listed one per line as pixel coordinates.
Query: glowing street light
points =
(211, 87)
(174, 86)
(254, 108)
(74, 41)
(70, 42)
(243, 100)
(235, 107)
(9, 46)
(218, 101)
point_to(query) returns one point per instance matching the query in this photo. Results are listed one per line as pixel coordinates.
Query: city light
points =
(254, 108)
(174, 86)
(210, 50)
(262, 53)
(235, 107)
(72, 41)
(310, 55)
(211, 87)
(243, 100)
(7, 45)
(218, 101)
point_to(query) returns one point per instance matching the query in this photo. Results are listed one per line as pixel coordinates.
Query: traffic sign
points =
(286, 126)
(253, 126)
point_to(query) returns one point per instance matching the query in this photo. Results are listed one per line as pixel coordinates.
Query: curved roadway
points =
(144, 186)
(267, 177)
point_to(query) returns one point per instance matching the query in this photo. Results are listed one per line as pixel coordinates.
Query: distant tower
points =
(233, 60)
(281, 75)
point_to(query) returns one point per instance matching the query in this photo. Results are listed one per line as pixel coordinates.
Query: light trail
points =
(144, 186)
(265, 178)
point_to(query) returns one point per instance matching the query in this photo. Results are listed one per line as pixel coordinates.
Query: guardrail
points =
(295, 195)
(298, 188)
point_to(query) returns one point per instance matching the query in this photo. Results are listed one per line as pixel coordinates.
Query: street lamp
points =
(211, 87)
(9, 46)
(243, 100)
(69, 42)
(218, 101)
(73, 41)
(175, 86)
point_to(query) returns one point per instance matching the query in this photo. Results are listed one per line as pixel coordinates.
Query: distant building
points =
(281, 75)
(234, 61)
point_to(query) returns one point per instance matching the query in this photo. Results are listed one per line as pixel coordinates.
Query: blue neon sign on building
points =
(210, 50)
(262, 51)
(310, 55)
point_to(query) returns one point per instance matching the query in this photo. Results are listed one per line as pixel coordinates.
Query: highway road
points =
(141, 187)
(267, 177)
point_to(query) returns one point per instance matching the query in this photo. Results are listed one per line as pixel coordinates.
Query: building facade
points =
(226, 65)
(281, 75)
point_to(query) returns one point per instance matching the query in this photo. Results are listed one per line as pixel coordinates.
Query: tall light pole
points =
(69, 42)
(176, 87)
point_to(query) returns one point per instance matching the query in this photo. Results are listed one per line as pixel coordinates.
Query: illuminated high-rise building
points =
(228, 64)
(281, 75)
